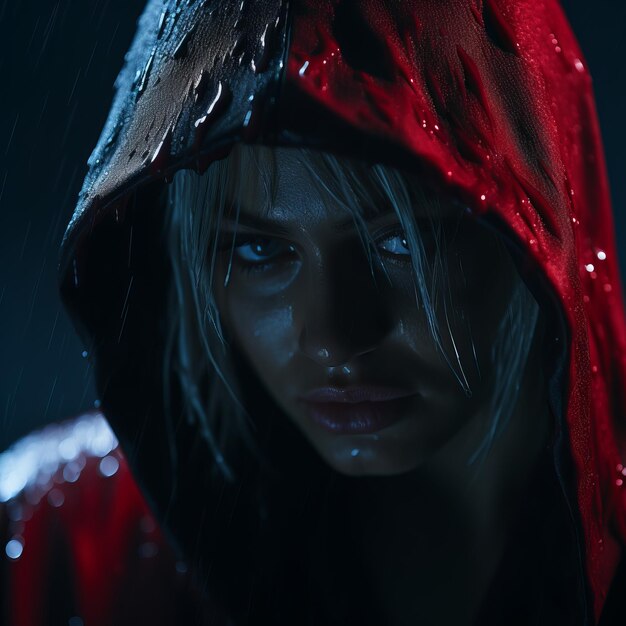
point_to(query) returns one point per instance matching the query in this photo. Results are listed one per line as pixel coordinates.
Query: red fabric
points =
(495, 99)
(99, 528)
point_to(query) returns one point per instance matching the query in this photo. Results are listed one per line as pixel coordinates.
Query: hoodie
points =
(491, 100)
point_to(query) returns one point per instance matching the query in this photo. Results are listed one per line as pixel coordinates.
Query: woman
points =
(365, 362)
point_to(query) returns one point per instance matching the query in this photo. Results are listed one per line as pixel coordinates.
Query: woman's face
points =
(341, 342)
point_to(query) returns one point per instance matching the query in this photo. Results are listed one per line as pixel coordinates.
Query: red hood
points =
(489, 99)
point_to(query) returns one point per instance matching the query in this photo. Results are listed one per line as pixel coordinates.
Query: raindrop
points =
(108, 466)
(590, 267)
(182, 49)
(75, 621)
(578, 64)
(601, 254)
(84, 354)
(162, 150)
(71, 472)
(97, 404)
(145, 75)
(181, 567)
(213, 107)
(56, 498)
(355, 452)
(162, 22)
(303, 69)
(68, 449)
(14, 549)
(148, 549)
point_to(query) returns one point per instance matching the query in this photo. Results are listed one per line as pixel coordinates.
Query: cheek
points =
(263, 329)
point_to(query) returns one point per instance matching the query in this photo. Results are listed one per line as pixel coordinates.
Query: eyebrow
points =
(267, 224)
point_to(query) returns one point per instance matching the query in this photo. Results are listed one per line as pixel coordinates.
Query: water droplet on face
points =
(14, 549)
(108, 466)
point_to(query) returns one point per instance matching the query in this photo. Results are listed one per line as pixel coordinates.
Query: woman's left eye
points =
(395, 244)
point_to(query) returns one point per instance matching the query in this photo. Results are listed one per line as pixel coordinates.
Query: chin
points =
(365, 459)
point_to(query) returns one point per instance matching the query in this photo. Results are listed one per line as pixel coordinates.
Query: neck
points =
(430, 542)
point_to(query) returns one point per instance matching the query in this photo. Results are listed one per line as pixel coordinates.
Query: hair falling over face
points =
(431, 236)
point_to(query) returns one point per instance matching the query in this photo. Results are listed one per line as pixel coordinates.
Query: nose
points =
(344, 313)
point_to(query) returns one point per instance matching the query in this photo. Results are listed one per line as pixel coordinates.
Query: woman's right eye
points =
(262, 251)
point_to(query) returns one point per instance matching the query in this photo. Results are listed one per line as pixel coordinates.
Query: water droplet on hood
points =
(213, 106)
(182, 49)
(162, 22)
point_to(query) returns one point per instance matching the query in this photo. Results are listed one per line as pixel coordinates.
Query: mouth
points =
(357, 410)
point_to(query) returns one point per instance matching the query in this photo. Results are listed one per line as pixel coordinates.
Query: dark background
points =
(58, 61)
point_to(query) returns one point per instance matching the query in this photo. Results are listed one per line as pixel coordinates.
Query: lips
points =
(357, 410)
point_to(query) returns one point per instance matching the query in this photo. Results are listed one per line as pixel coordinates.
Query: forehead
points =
(288, 185)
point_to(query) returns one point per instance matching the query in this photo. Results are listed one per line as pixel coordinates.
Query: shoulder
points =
(71, 511)
(67, 467)
(32, 464)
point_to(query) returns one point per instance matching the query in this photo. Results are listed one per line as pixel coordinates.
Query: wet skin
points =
(307, 310)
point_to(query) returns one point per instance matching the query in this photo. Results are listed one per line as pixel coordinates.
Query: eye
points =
(395, 244)
(261, 251)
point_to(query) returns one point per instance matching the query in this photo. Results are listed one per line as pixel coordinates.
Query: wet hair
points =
(198, 358)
